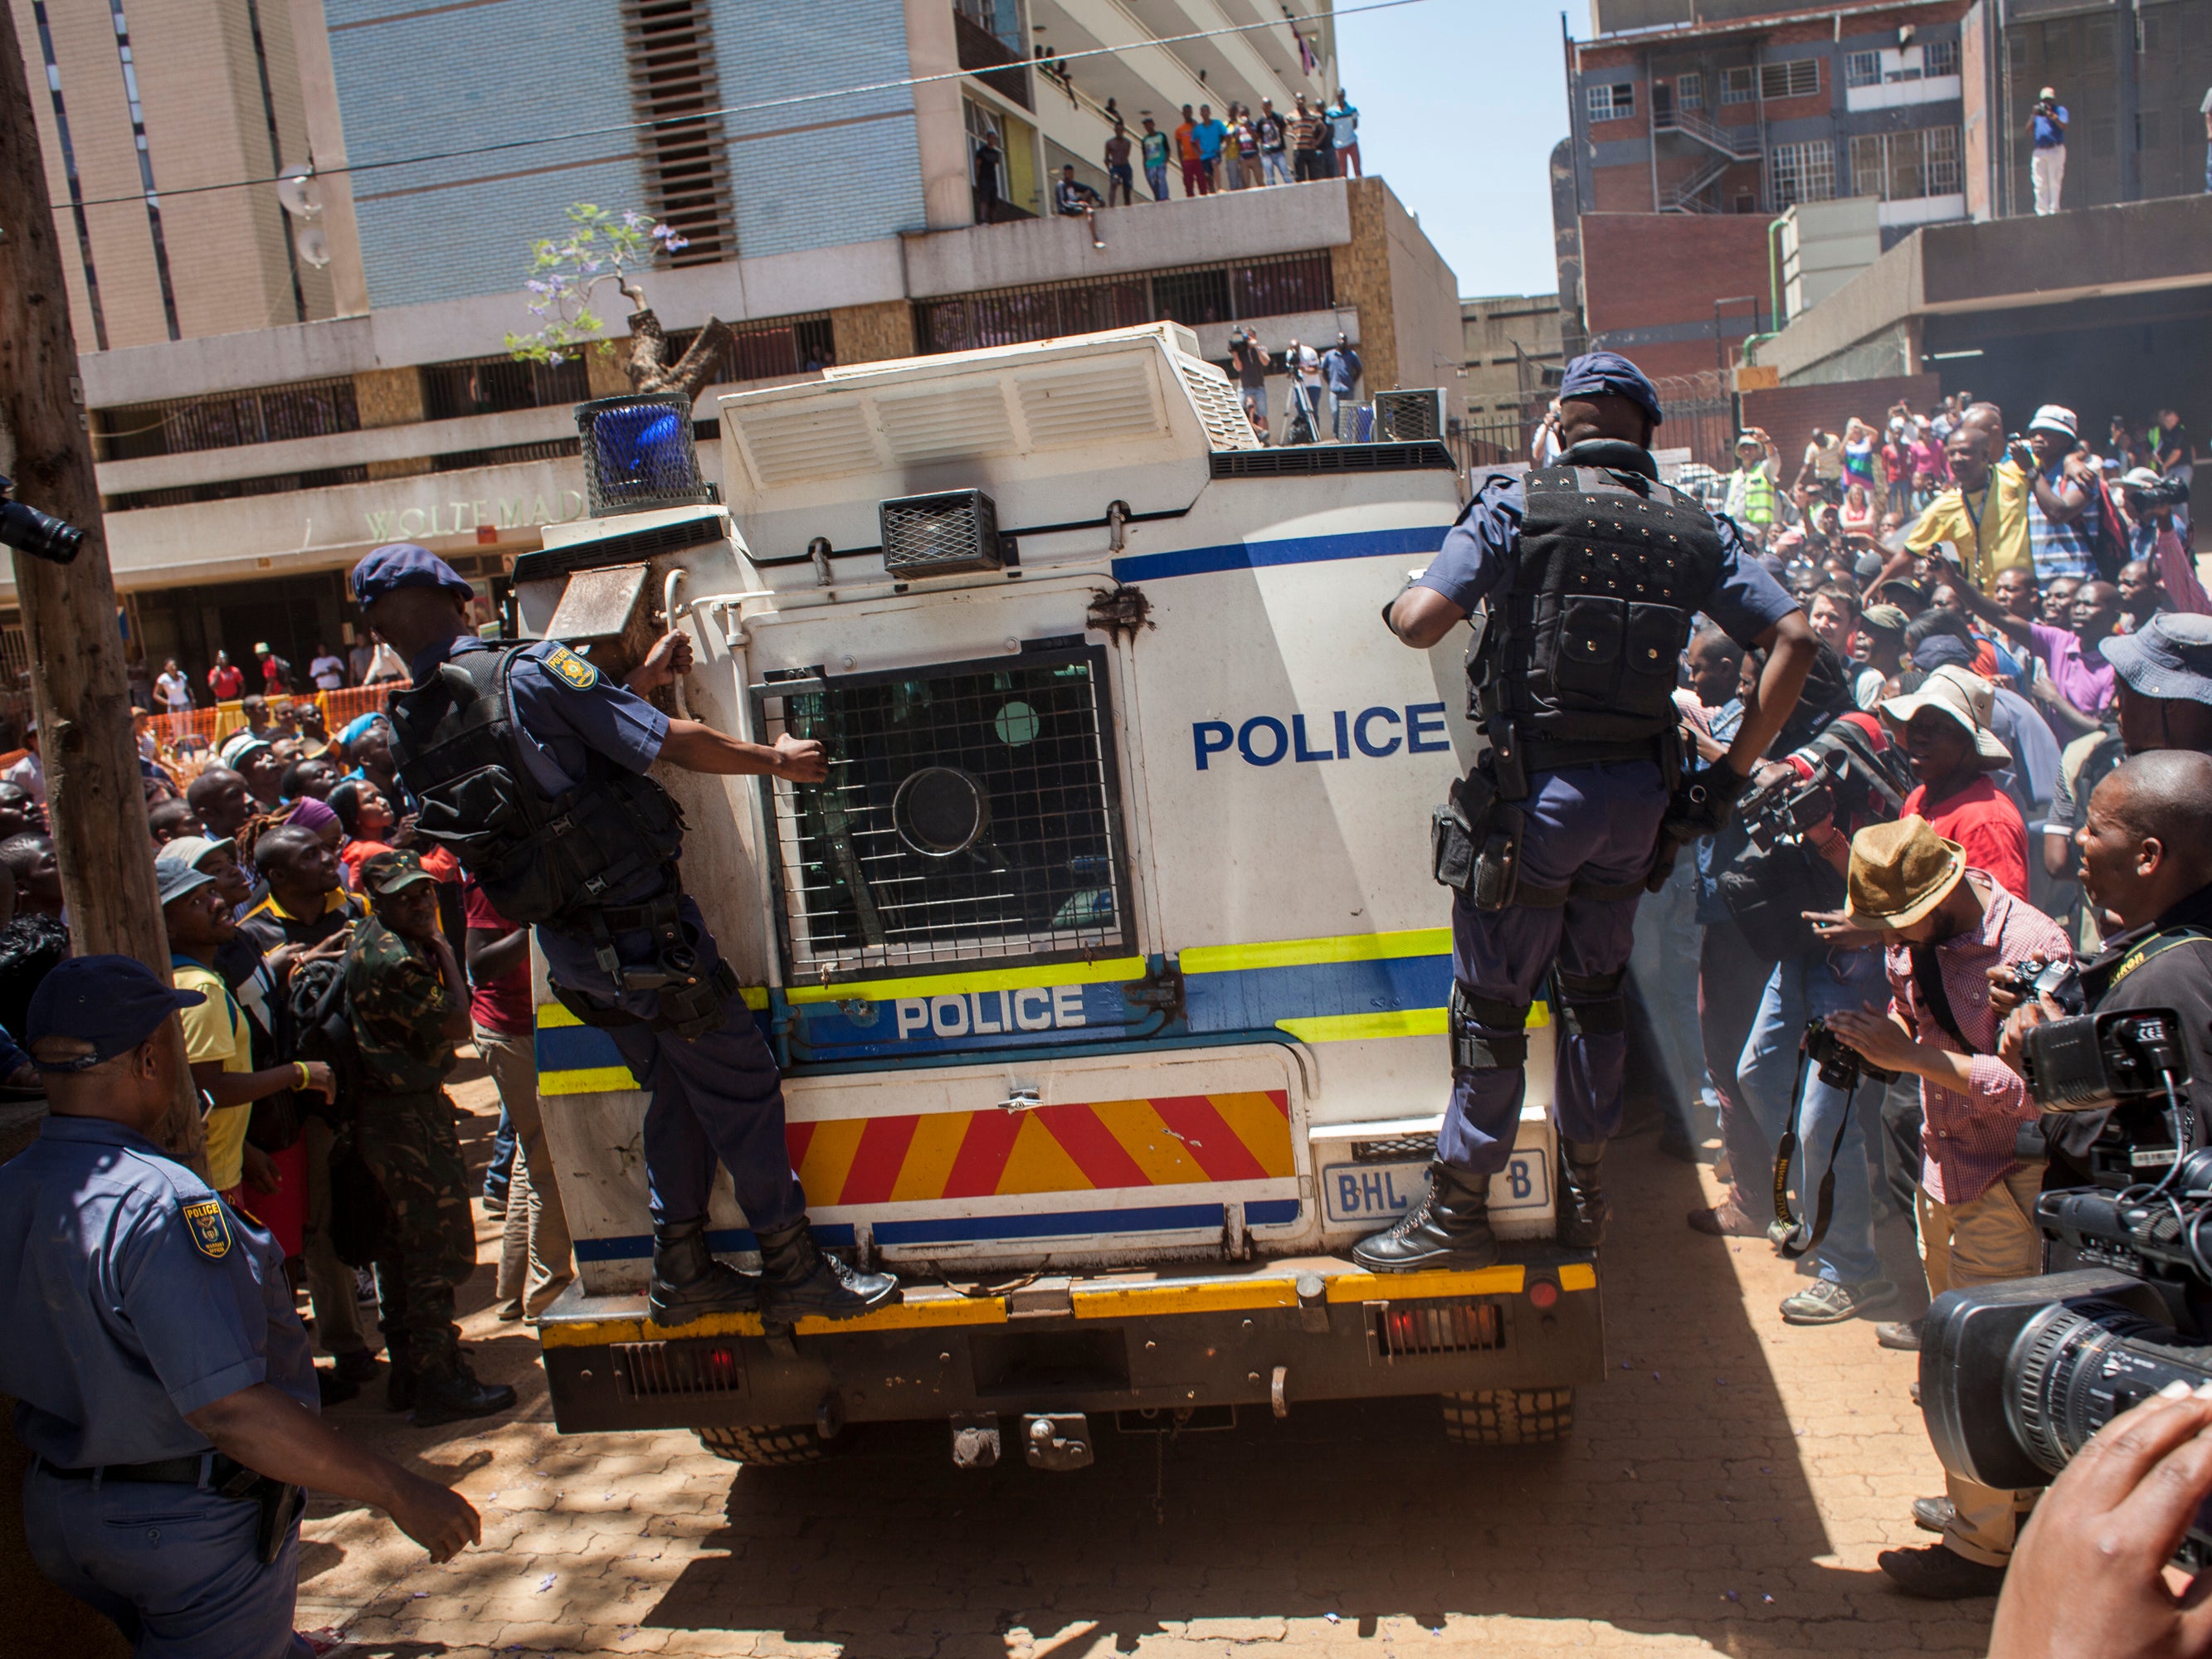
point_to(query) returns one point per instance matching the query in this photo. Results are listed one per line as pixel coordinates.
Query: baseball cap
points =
(1596, 372)
(176, 876)
(386, 873)
(192, 849)
(1884, 618)
(404, 564)
(112, 1002)
(2169, 657)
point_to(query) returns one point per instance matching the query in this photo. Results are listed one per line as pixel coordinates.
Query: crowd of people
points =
(174, 690)
(1971, 776)
(340, 963)
(1241, 148)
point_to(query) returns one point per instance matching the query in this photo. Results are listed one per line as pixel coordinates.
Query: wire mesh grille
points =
(971, 813)
(941, 535)
(639, 454)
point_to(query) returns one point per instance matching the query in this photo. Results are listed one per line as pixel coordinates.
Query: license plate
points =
(1381, 1192)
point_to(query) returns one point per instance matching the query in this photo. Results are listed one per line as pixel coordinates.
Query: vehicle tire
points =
(768, 1448)
(1509, 1417)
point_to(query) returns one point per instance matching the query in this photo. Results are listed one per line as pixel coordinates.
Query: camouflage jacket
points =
(398, 1002)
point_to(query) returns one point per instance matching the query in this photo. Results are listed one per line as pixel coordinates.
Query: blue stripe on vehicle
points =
(961, 1229)
(1270, 1211)
(1254, 998)
(576, 1049)
(1421, 541)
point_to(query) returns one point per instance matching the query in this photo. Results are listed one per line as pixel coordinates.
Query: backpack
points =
(2110, 551)
(321, 1027)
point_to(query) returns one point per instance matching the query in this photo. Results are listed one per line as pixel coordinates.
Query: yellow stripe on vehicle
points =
(996, 979)
(1134, 1301)
(1399, 1023)
(1308, 952)
(935, 1311)
(1577, 1276)
(1505, 1280)
(593, 1080)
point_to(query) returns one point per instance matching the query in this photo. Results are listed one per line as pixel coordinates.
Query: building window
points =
(1902, 166)
(1798, 78)
(1614, 102)
(1862, 68)
(1802, 173)
(1939, 57)
(1736, 85)
(1689, 91)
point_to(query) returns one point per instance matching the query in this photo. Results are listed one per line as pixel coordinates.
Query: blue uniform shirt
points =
(130, 1296)
(1477, 560)
(565, 708)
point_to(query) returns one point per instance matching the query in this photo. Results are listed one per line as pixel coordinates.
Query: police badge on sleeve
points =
(572, 669)
(210, 1225)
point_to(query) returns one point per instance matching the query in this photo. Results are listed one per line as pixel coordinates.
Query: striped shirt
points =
(2062, 550)
(1967, 1143)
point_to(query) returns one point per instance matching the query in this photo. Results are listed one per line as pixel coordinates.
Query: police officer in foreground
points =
(166, 1388)
(1588, 574)
(530, 764)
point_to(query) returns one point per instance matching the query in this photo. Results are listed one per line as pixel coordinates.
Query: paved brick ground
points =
(1726, 1490)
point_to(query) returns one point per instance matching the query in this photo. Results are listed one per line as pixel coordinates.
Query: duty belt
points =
(224, 1475)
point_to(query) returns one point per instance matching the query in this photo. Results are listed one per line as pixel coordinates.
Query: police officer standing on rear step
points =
(530, 764)
(165, 1388)
(1588, 574)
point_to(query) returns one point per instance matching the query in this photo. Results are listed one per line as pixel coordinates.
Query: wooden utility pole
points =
(93, 796)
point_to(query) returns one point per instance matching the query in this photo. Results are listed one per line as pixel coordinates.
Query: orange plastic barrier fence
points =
(207, 728)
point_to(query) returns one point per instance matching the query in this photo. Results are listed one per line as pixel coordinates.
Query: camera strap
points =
(1928, 975)
(1824, 1200)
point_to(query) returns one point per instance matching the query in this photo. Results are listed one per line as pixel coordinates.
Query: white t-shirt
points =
(29, 776)
(384, 665)
(1309, 367)
(175, 692)
(327, 673)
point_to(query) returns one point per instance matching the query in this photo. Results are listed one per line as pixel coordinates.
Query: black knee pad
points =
(1493, 1050)
(1591, 1005)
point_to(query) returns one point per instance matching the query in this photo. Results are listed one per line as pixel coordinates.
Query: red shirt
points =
(1982, 818)
(501, 1004)
(226, 682)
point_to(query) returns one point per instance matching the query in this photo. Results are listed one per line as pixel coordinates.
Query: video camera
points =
(1849, 778)
(2168, 492)
(39, 534)
(2015, 1377)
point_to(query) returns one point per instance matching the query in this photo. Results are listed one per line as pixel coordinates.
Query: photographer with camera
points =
(2147, 859)
(1791, 865)
(1946, 926)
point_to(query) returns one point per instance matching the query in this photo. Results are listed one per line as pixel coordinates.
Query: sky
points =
(1460, 104)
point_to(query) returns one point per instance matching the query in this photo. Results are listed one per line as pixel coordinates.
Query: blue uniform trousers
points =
(174, 1566)
(715, 1096)
(1598, 823)
(1818, 982)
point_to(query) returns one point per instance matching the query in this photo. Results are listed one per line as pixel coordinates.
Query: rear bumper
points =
(1160, 1342)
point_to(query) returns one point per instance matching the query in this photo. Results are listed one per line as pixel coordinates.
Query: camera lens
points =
(39, 534)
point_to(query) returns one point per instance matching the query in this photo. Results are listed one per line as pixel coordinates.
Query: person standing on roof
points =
(1586, 575)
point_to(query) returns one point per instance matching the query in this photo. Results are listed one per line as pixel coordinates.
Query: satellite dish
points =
(295, 191)
(315, 245)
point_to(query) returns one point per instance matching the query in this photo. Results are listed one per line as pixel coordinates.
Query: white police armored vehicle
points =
(1107, 971)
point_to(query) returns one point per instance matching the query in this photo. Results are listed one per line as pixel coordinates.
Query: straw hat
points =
(1899, 872)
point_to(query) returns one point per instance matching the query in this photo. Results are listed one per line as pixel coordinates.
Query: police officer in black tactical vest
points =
(1587, 576)
(530, 764)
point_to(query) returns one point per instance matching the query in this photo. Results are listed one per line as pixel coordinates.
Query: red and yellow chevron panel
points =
(1182, 1140)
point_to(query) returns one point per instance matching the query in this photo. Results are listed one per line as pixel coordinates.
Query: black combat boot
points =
(399, 1386)
(1449, 1228)
(688, 1283)
(448, 1391)
(803, 1279)
(1582, 1208)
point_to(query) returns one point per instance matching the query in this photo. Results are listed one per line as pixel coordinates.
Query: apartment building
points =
(1696, 122)
(282, 376)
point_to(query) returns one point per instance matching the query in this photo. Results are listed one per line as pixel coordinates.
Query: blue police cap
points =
(403, 564)
(1596, 372)
(114, 1003)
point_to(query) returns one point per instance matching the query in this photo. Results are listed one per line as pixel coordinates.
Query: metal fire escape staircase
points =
(1729, 145)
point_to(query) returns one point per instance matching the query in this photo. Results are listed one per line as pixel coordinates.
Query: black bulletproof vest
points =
(1584, 648)
(539, 858)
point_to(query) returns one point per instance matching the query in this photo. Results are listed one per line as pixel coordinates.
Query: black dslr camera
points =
(2015, 1377)
(42, 535)
(1840, 1066)
(2059, 981)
